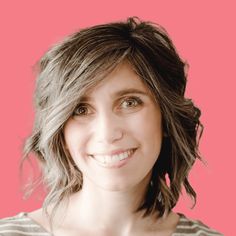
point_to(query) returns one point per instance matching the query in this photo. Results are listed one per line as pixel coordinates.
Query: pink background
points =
(204, 34)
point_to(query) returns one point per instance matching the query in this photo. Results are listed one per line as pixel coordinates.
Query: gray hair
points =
(80, 62)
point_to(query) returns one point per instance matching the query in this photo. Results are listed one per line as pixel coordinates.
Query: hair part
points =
(81, 61)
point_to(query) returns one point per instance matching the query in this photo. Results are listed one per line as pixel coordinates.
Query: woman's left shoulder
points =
(19, 225)
(187, 226)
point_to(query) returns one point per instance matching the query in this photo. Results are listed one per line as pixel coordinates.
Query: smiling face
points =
(115, 133)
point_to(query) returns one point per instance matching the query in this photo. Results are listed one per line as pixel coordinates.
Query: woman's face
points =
(115, 133)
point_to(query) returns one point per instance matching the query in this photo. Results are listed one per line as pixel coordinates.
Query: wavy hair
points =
(80, 62)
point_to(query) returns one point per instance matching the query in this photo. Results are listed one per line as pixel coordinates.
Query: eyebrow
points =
(118, 94)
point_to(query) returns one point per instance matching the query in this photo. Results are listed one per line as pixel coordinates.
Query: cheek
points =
(74, 138)
(147, 125)
(147, 129)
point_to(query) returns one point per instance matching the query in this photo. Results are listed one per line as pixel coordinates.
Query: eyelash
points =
(135, 99)
(82, 105)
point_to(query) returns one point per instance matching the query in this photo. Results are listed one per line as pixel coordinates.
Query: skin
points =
(108, 121)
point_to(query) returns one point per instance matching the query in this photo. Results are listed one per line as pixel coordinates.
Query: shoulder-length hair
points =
(79, 63)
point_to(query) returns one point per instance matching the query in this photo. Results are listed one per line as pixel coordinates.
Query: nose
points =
(108, 128)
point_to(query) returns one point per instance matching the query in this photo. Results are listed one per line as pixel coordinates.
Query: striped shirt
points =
(21, 225)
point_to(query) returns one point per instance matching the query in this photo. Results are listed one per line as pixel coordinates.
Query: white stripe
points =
(208, 233)
(24, 233)
(197, 234)
(20, 225)
(186, 220)
(16, 219)
(194, 226)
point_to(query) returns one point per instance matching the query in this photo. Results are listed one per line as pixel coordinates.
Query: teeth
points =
(115, 158)
(111, 159)
(106, 158)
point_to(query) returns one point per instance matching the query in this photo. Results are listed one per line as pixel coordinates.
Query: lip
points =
(118, 164)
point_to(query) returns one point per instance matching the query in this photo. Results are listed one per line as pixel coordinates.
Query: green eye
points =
(131, 102)
(81, 110)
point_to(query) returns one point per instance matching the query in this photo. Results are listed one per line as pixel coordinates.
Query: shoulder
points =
(19, 225)
(192, 227)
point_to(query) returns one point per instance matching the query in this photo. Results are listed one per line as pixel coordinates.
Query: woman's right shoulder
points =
(20, 225)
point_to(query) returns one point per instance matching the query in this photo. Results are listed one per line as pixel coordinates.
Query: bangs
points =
(68, 88)
(75, 66)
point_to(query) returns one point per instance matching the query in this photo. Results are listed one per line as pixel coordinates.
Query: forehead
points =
(120, 81)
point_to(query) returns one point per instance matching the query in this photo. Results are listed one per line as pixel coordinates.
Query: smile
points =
(116, 160)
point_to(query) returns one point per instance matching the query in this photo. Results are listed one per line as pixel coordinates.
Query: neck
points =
(105, 209)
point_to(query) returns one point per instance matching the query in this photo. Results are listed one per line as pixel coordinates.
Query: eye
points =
(81, 110)
(131, 102)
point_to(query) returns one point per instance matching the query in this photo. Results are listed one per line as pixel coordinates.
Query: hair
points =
(80, 62)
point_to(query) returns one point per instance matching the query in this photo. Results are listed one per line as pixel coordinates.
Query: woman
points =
(114, 134)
